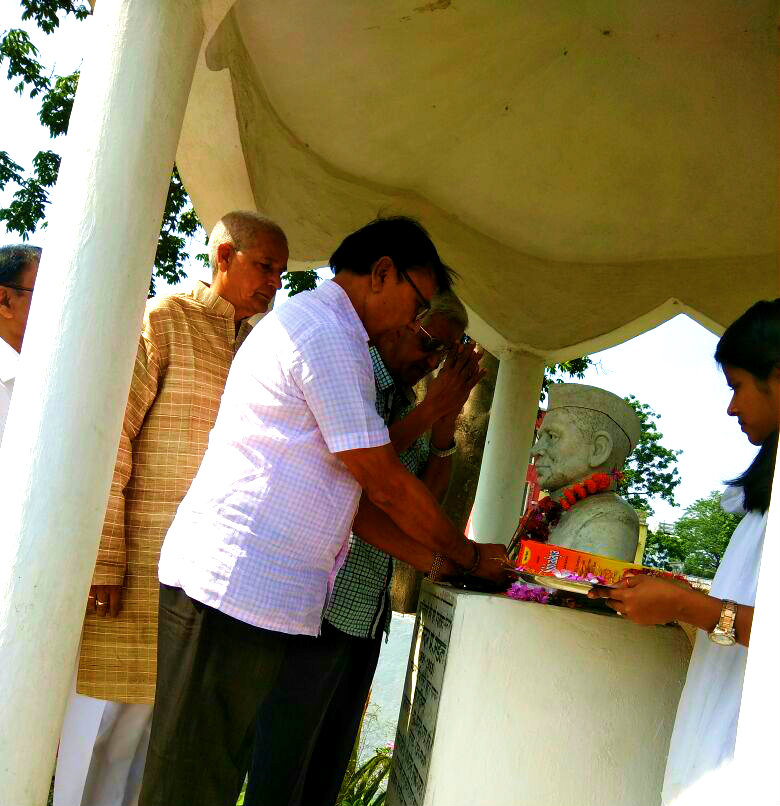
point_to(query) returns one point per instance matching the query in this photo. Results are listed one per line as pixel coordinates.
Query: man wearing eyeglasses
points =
(18, 270)
(249, 562)
(187, 345)
(326, 705)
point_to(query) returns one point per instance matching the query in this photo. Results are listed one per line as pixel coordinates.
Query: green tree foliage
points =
(563, 372)
(21, 55)
(297, 281)
(366, 786)
(29, 202)
(662, 550)
(651, 469)
(704, 532)
(179, 223)
(46, 13)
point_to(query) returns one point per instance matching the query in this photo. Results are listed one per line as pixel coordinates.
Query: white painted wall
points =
(62, 434)
(545, 706)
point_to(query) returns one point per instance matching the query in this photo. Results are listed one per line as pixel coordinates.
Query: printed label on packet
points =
(544, 558)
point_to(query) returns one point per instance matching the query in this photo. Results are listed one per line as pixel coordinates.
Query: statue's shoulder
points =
(607, 505)
(602, 524)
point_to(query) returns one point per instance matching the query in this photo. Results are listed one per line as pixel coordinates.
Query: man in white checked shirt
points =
(249, 560)
(327, 704)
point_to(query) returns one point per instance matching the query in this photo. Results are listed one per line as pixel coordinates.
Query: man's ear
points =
(5, 304)
(224, 254)
(381, 271)
(601, 449)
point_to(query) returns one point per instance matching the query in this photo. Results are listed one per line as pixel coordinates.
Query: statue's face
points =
(562, 455)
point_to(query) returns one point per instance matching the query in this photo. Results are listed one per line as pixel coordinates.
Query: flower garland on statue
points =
(545, 513)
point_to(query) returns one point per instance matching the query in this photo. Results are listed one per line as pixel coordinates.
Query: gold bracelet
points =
(434, 575)
(477, 557)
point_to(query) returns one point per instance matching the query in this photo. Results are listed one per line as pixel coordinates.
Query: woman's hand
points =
(644, 599)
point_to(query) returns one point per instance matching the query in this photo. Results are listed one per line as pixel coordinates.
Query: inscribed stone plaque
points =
(420, 702)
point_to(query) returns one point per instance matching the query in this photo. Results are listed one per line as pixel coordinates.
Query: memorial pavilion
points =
(590, 170)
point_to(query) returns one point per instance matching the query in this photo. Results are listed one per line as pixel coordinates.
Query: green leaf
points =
(45, 13)
(575, 368)
(362, 787)
(179, 223)
(30, 200)
(297, 281)
(47, 167)
(704, 532)
(10, 171)
(27, 209)
(18, 50)
(57, 104)
(650, 471)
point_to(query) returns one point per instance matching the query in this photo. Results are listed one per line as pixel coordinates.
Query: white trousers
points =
(102, 752)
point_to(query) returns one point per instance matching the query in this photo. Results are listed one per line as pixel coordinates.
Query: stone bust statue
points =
(587, 430)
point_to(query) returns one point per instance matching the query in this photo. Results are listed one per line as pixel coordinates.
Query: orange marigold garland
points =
(597, 483)
(545, 514)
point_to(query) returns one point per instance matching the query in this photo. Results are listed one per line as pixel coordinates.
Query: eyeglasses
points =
(425, 305)
(429, 344)
(16, 287)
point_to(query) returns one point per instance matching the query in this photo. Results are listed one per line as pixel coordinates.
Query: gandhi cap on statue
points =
(588, 430)
(591, 398)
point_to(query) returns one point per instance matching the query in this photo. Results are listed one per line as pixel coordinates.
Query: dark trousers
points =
(223, 688)
(320, 697)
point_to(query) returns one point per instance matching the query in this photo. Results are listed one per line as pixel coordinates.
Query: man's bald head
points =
(240, 229)
(248, 255)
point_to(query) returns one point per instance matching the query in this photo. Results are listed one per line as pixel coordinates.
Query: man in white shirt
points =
(249, 562)
(18, 269)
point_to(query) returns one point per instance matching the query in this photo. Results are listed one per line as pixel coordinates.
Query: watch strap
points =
(726, 626)
(445, 453)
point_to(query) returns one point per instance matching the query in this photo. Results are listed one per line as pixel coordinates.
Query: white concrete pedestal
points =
(511, 702)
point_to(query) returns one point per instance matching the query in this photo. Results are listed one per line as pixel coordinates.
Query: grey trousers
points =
(213, 674)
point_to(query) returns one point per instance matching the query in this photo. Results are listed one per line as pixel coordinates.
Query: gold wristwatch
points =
(723, 633)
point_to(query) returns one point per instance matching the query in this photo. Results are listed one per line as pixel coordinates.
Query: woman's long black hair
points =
(752, 343)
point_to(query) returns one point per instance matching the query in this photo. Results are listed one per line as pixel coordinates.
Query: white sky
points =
(670, 368)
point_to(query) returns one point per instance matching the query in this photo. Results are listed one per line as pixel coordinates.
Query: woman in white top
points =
(706, 725)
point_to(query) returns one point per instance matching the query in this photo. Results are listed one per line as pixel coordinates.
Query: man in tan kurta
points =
(184, 354)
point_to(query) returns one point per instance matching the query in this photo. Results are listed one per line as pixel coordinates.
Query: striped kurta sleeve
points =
(112, 554)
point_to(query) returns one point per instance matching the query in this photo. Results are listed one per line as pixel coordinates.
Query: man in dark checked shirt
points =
(327, 703)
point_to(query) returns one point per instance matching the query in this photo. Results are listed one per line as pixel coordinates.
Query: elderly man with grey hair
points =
(186, 348)
(18, 270)
(322, 709)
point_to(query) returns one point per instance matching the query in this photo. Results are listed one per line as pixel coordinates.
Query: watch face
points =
(722, 639)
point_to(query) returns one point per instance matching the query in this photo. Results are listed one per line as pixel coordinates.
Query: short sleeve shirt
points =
(361, 590)
(263, 530)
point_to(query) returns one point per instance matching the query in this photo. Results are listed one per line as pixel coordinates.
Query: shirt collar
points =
(335, 296)
(384, 380)
(205, 296)
(9, 361)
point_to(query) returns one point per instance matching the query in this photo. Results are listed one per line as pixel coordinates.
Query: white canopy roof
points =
(589, 169)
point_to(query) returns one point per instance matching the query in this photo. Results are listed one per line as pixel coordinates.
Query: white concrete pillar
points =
(62, 434)
(499, 496)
